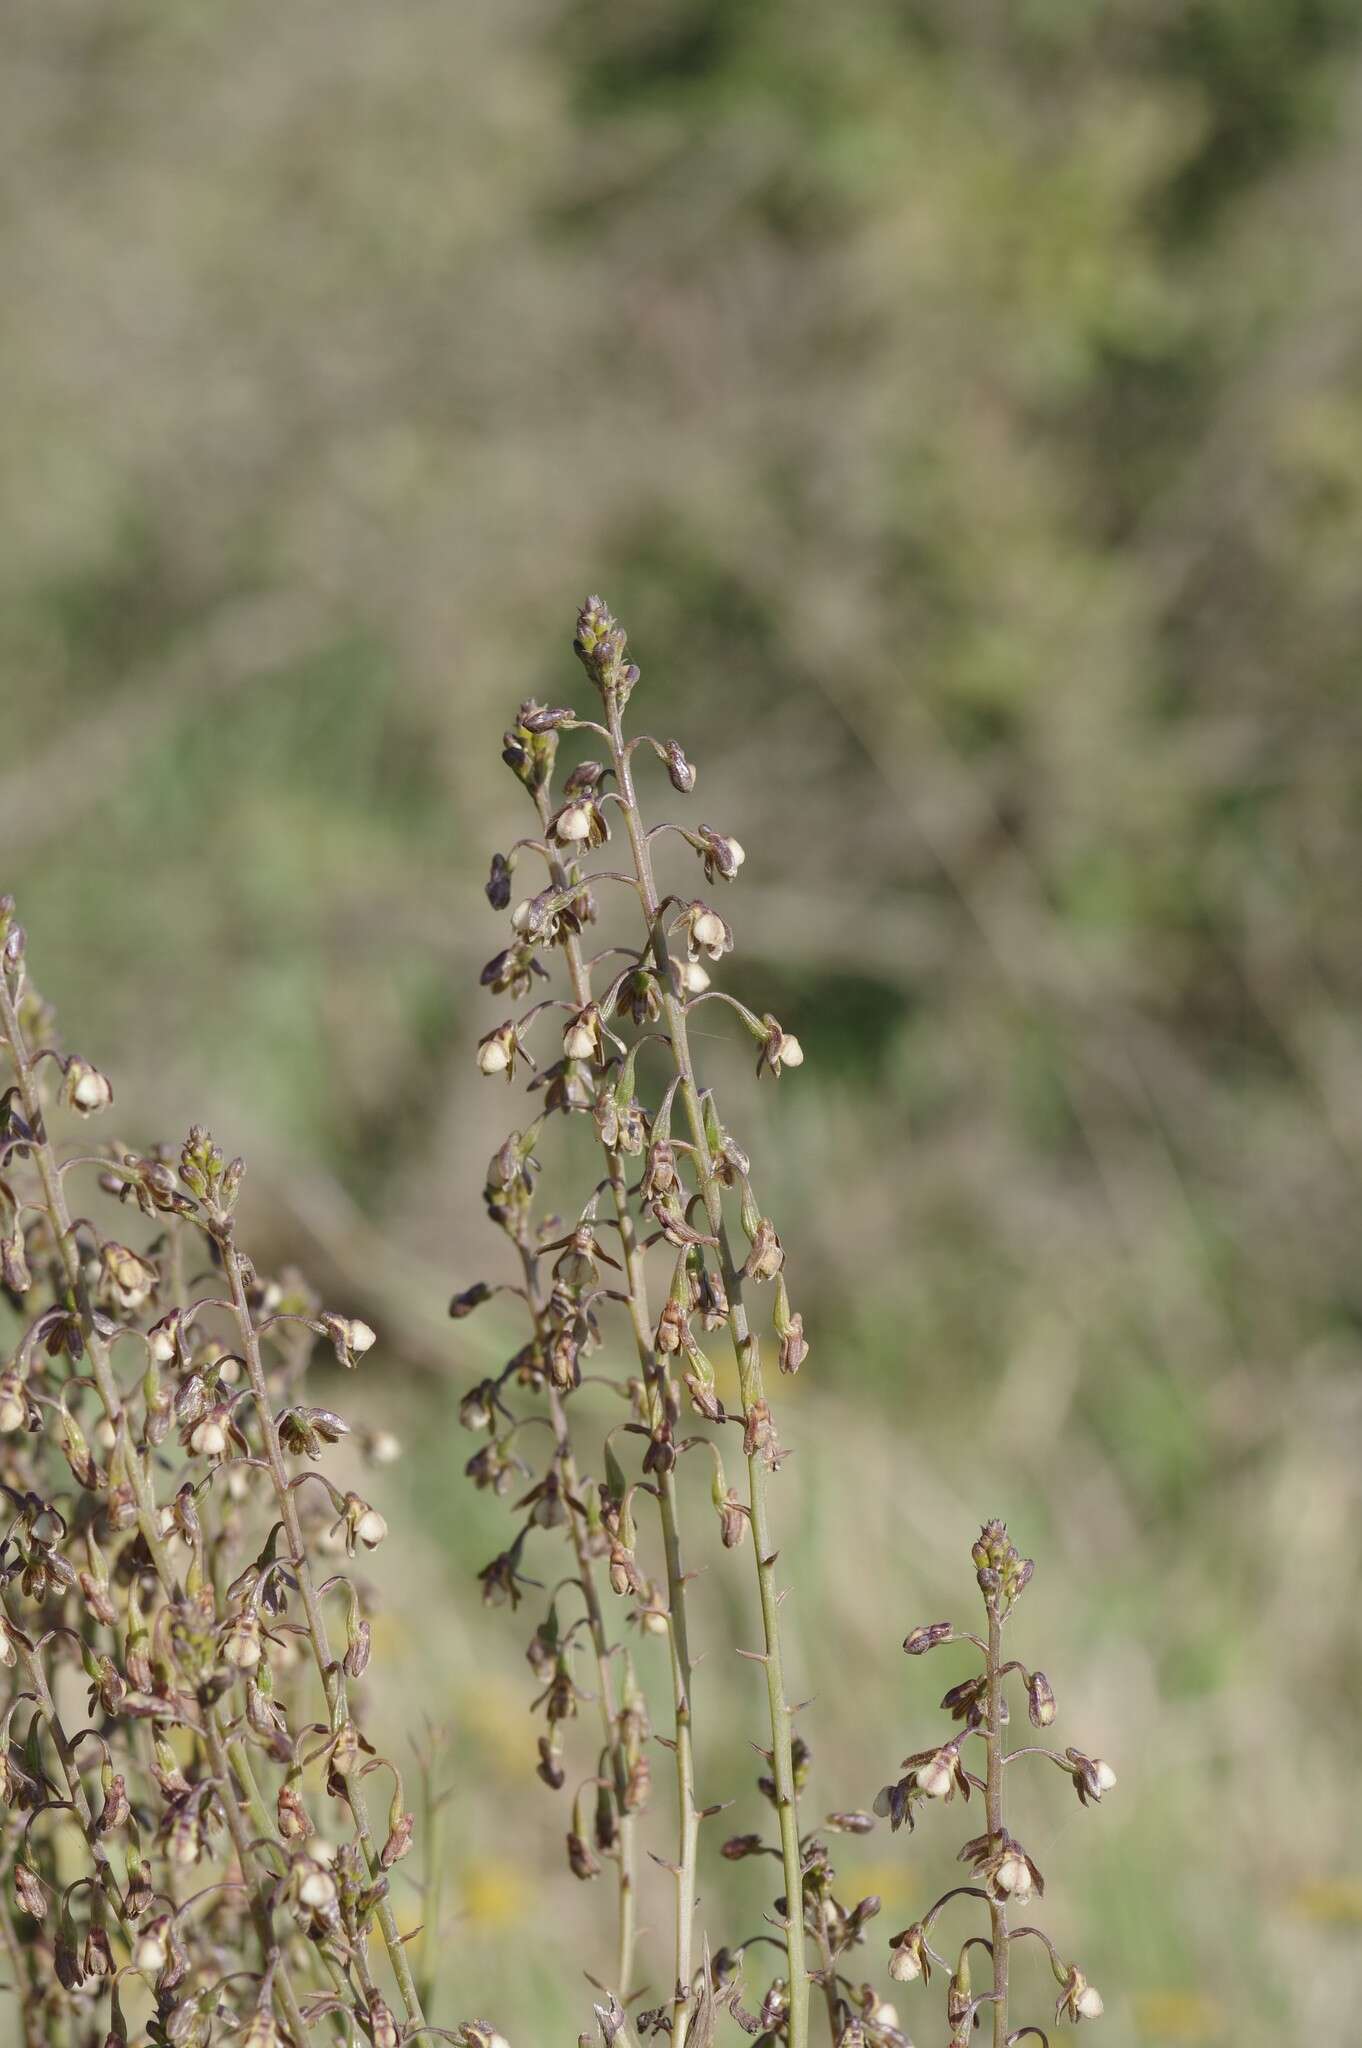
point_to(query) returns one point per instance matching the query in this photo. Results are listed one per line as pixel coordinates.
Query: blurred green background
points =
(961, 403)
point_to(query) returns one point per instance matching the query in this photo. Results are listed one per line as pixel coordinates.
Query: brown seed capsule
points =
(116, 1811)
(294, 1824)
(581, 1860)
(680, 771)
(738, 1847)
(399, 1840)
(794, 1347)
(927, 1637)
(30, 1894)
(97, 1959)
(1040, 1700)
(766, 1256)
(382, 2026)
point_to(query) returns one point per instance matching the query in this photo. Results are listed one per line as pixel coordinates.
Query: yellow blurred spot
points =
(390, 1637)
(494, 1895)
(891, 1879)
(1336, 1901)
(495, 1715)
(1178, 2016)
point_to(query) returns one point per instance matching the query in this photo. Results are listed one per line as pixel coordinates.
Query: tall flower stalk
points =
(1005, 1875)
(627, 1004)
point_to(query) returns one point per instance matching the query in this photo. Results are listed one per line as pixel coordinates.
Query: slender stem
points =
(829, 1973)
(656, 1375)
(37, 1678)
(600, 1640)
(32, 2022)
(993, 1800)
(688, 1823)
(751, 1389)
(144, 1495)
(328, 1666)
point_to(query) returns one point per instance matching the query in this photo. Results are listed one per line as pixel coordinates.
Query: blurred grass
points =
(961, 405)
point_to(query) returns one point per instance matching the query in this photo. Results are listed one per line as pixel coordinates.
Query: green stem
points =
(28, 2013)
(829, 1970)
(656, 1375)
(993, 1803)
(600, 1641)
(751, 1389)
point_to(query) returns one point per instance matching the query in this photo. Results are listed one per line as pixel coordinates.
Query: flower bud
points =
(499, 881)
(472, 1297)
(794, 1345)
(908, 1959)
(15, 1272)
(30, 1894)
(496, 1053)
(935, 1779)
(97, 1960)
(680, 771)
(163, 1339)
(151, 1947)
(85, 1089)
(316, 1888)
(722, 856)
(350, 1338)
(127, 1280)
(1092, 1775)
(382, 2026)
(706, 932)
(573, 824)
(362, 1523)
(241, 1644)
(401, 1828)
(294, 1825)
(766, 1256)
(116, 1810)
(1078, 2000)
(927, 1637)
(1012, 1877)
(582, 1035)
(208, 1439)
(1040, 1700)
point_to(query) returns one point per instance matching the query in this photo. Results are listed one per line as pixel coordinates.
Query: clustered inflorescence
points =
(673, 1235)
(193, 1846)
(188, 1845)
(1005, 1873)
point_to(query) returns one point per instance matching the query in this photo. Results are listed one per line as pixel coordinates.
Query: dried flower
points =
(1007, 1875)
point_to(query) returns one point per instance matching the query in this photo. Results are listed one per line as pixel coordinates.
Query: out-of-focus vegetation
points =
(960, 401)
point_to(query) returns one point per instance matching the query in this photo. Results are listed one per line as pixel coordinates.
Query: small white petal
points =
(574, 823)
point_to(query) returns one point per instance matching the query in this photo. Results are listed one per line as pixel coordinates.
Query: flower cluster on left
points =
(197, 1840)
